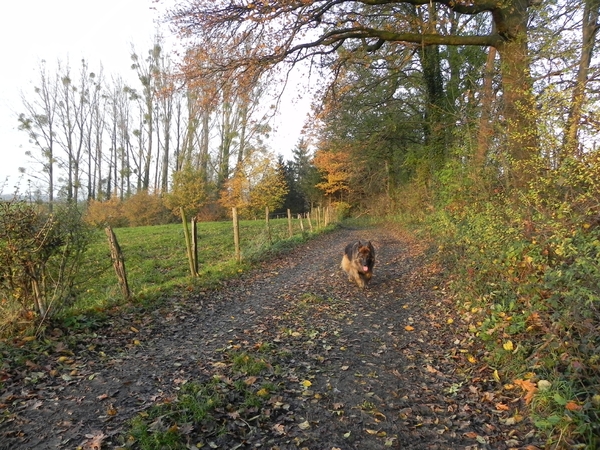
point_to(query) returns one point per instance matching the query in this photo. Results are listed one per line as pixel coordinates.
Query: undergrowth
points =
(525, 272)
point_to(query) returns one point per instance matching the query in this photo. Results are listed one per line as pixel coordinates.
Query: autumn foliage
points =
(140, 209)
(255, 185)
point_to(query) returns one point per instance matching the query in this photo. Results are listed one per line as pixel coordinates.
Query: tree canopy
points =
(250, 36)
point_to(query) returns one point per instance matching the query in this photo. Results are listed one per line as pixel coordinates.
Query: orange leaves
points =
(502, 407)
(573, 406)
(336, 167)
(528, 387)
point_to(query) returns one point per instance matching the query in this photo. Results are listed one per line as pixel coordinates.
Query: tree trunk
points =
(519, 109)
(589, 30)
(486, 130)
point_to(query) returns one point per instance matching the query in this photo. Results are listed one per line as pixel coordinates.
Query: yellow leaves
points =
(376, 433)
(544, 385)
(306, 384)
(256, 184)
(496, 375)
(336, 166)
(304, 425)
(508, 346)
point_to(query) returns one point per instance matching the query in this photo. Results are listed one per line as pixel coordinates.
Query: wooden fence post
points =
(236, 234)
(188, 244)
(195, 243)
(268, 225)
(118, 262)
(290, 229)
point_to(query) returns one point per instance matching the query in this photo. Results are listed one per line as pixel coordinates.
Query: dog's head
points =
(365, 254)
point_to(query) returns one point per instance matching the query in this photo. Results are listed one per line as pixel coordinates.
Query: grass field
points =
(156, 260)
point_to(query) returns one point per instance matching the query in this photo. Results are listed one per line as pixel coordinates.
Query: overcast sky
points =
(69, 30)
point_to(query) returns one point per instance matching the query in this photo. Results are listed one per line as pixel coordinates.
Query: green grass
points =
(203, 410)
(156, 260)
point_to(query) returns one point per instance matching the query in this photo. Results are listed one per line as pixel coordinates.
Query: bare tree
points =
(39, 122)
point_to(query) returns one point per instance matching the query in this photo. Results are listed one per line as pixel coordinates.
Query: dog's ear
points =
(371, 248)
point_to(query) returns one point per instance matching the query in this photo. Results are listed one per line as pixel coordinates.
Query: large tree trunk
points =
(519, 111)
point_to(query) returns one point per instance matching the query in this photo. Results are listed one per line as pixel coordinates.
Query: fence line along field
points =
(156, 258)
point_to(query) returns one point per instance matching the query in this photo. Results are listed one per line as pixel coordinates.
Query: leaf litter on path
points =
(384, 367)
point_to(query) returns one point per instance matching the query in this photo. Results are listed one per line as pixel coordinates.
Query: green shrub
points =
(40, 255)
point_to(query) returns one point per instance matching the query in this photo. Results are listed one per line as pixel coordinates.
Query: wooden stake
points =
(236, 235)
(118, 263)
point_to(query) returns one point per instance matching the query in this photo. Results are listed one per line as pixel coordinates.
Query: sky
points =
(70, 30)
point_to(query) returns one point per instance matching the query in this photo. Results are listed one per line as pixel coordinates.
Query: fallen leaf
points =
(279, 429)
(219, 365)
(95, 441)
(529, 387)
(502, 407)
(409, 328)
(544, 385)
(304, 425)
(573, 406)
(389, 441)
(431, 369)
(508, 346)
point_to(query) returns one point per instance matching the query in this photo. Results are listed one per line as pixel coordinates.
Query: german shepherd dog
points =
(358, 262)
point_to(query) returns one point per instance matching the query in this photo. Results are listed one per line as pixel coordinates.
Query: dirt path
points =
(384, 367)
